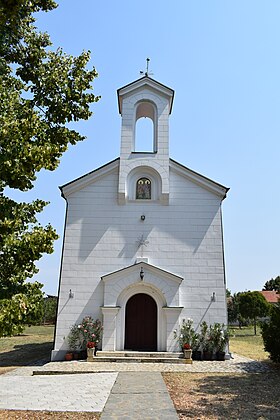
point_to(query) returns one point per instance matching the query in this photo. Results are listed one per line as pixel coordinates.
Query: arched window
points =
(143, 189)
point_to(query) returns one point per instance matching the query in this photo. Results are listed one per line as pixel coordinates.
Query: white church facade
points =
(143, 240)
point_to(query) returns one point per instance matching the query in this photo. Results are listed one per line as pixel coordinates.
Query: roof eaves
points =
(196, 174)
(68, 184)
(146, 78)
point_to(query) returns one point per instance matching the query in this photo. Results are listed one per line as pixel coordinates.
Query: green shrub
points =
(271, 334)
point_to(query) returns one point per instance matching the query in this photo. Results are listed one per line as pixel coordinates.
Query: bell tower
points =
(144, 98)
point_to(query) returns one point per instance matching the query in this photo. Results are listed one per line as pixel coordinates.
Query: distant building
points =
(271, 296)
(143, 243)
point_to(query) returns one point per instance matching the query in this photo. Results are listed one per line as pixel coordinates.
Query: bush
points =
(89, 330)
(271, 334)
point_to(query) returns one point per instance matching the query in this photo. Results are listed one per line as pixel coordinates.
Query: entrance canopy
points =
(142, 273)
(138, 283)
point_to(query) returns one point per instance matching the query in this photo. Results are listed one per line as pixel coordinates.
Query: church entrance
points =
(141, 323)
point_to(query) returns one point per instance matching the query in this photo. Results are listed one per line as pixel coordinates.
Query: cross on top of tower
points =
(146, 73)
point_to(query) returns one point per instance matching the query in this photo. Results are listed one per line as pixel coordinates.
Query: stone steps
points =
(139, 357)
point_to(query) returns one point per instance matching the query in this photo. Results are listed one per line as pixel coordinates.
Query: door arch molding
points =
(160, 301)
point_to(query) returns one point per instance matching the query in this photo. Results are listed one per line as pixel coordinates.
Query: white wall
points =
(101, 237)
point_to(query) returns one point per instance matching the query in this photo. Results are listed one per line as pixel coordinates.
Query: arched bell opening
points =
(145, 128)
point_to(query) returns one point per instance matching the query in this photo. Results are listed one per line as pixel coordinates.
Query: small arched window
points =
(143, 189)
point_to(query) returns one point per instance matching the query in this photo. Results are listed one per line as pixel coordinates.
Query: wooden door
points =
(141, 323)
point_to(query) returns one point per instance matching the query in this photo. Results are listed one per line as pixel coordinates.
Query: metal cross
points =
(141, 242)
(146, 73)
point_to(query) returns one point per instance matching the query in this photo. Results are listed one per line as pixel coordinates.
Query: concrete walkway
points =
(88, 392)
(238, 364)
(139, 395)
(126, 390)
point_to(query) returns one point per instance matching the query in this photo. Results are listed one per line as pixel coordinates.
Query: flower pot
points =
(196, 355)
(220, 355)
(188, 353)
(90, 354)
(68, 356)
(207, 355)
(82, 355)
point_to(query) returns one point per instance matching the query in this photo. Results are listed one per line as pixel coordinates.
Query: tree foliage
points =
(50, 305)
(41, 92)
(273, 284)
(234, 314)
(253, 305)
(24, 307)
(271, 333)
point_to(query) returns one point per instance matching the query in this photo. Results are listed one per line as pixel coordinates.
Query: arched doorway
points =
(141, 323)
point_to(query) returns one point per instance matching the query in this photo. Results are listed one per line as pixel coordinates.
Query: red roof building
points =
(271, 295)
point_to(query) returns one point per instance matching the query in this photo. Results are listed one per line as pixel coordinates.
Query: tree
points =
(41, 92)
(234, 312)
(50, 305)
(228, 293)
(273, 284)
(271, 333)
(253, 305)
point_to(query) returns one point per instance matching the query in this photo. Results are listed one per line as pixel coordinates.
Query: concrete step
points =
(138, 357)
(140, 354)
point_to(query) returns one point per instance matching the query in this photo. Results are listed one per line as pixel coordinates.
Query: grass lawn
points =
(34, 344)
(244, 342)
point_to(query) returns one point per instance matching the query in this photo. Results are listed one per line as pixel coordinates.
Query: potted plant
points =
(91, 331)
(206, 341)
(222, 343)
(90, 351)
(74, 342)
(196, 352)
(88, 331)
(186, 338)
(187, 351)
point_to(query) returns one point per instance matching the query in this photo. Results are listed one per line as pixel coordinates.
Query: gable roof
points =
(109, 167)
(149, 267)
(149, 82)
(271, 296)
(199, 179)
(88, 178)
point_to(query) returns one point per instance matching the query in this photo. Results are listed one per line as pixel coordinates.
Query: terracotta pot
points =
(68, 356)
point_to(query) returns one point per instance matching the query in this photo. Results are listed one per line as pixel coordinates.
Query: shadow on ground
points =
(27, 354)
(212, 396)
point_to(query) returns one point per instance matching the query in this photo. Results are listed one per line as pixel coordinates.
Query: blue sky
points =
(222, 60)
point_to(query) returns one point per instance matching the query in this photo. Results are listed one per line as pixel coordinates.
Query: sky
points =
(222, 59)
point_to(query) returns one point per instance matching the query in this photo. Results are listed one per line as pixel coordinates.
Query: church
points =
(143, 240)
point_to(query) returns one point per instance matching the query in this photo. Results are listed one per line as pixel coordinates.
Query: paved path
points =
(88, 392)
(139, 395)
(138, 387)
(238, 364)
